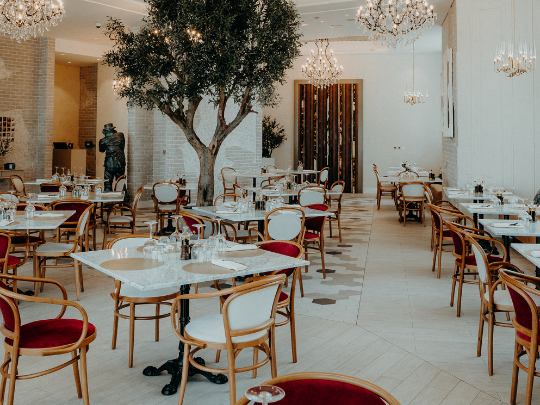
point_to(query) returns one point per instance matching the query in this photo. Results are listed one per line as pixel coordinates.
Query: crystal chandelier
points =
(514, 61)
(414, 95)
(120, 84)
(24, 19)
(393, 21)
(322, 70)
(194, 36)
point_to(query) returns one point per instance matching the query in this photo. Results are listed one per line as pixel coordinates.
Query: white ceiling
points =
(79, 25)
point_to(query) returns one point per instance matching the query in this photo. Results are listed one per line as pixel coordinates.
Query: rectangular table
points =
(90, 182)
(480, 209)
(38, 222)
(524, 249)
(188, 187)
(103, 198)
(396, 179)
(507, 233)
(176, 276)
(465, 195)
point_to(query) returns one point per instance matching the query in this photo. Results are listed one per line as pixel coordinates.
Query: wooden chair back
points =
(323, 177)
(228, 174)
(50, 187)
(79, 206)
(127, 241)
(311, 195)
(482, 263)
(166, 192)
(225, 196)
(316, 224)
(284, 223)
(18, 184)
(120, 183)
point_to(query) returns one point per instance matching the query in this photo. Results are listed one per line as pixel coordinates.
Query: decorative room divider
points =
(329, 130)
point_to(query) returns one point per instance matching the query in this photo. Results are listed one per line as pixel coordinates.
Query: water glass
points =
(147, 251)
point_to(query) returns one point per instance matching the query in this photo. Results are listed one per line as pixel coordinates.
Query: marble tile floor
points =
(380, 315)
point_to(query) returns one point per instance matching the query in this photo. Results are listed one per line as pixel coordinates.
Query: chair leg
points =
(306, 257)
(480, 330)
(81, 277)
(131, 332)
(218, 352)
(12, 378)
(491, 324)
(77, 279)
(339, 226)
(293, 334)
(453, 285)
(515, 372)
(439, 265)
(232, 376)
(530, 374)
(183, 381)
(460, 289)
(273, 365)
(321, 245)
(76, 374)
(435, 250)
(157, 322)
(255, 360)
(84, 379)
(301, 283)
(106, 230)
(330, 227)
(115, 326)
(4, 381)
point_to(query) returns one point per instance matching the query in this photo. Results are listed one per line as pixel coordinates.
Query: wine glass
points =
(151, 241)
(199, 226)
(220, 239)
(176, 236)
(265, 394)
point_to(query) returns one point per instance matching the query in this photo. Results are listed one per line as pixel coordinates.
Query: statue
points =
(115, 161)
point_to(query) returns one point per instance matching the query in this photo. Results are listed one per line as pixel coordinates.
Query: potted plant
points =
(273, 135)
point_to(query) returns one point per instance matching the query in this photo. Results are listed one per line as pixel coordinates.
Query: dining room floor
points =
(380, 315)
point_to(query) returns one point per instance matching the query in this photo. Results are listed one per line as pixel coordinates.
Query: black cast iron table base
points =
(174, 368)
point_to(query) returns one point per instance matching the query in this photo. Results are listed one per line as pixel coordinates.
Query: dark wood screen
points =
(328, 132)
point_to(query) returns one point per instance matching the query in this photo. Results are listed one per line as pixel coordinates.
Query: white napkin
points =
(535, 253)
(112, 194)
(483, 206)
(49, 214)
(241, 247)
(226, 212)
(43, 180)
(5, 222)
(507, 225)
(229, 265)
(454, 189)
(47, 195)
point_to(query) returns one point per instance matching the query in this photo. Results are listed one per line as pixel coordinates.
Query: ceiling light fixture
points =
(392, 22)
(514, 61)
(322, 70)
(120, 84)
(414, 96)
(24, 19)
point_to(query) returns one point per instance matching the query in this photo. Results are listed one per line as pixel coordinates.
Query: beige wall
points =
(67, 94)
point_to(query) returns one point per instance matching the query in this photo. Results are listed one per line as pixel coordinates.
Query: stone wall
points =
(28, 96)
(450, 145)
(88, 115)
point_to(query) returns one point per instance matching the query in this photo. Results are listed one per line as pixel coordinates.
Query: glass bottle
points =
(29, 211)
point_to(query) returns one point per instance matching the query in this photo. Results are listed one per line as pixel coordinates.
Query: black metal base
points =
(169, 229)
(174, 368)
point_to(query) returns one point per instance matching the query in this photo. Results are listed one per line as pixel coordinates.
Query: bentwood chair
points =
(166, 198)
(411, 197)
(125, 296)
(311, 195)
(310, 388)
(10, 197)
(384, 189)
(120, 183)
(248, 321)
(46, 337)
(70, 226)
(228, 175)
(338, 186)
(314, 234)
(62, 251)
(465, 263)
(9, 263)
(525, 293)
(18, 184)
(492, 298)
(323, 177)
(121, 223)
(439, 235)
(49, 187)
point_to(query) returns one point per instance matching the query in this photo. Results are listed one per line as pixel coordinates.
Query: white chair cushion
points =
(502, 297)
(55, 248)
(120, 219)
(132, 292)
(167, 207)
(210, 329)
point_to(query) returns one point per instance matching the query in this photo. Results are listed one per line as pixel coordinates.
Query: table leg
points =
(174, 366)
(506, 241)
(169, 228)
(475, 220)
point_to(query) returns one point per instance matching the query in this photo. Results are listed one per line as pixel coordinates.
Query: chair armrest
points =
(250, 230)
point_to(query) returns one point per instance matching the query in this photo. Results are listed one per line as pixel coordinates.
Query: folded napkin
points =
(535, 253)
(229, 265)
(43, 180)
(112, 194)
(49, 214)
(454, 189)
(241, 247)
(5, 222)
(483, 206)
(226, 212)
(47, 195)
(507, 225)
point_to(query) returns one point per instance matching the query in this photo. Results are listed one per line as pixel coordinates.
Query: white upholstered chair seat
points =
(210, 329)
(54, 247)
(167, 207)
(132, 292)
(502, 298)
(125, 219)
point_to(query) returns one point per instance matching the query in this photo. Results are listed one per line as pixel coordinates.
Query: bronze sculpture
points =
(115, 161)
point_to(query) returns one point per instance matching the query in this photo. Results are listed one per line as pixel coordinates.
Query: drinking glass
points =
(199, 226)
(176, 236)
(151, 241)
(265, 394)
(220, 240)
(147, 252)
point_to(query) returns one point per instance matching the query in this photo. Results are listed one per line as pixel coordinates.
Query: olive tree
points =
(230, 52)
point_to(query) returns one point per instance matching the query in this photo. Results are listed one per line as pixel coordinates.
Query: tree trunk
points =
(205, 195)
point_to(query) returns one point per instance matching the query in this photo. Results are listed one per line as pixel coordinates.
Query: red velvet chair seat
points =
(310, 235)
(21, 239)
(13, 260)
(447, 233)
(471, 261)
(325, 392)
(51, 333)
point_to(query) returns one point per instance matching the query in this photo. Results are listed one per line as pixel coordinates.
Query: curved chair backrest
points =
(18, 184)
(436, 217)
(316, 223)
(271, 169)
(79, 206)
(120, 183)
(323, 176)
(283, 247)
(127, 241)
(248, 309)
(526, 320)
(49, 187)
(9, 197)
(225, 196)
(166, 192)
(192, 219)
(311, 195)
(285, 223)
(413, 189)
(377, 175)
(408, 174)
(136, 202)
(83, 222)
(229, 176)
(38, 207)
(482, 263)
(5, 247)
(327, 388)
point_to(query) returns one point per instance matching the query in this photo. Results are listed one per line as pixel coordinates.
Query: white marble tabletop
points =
(287, 193)
(41, 221)
(252, 215)
(171, 273)
(462, 194)
(396, 172)
(489, 209)
(525, 250)
(50, 197)
(509, 229)
(396, 179)
(188, 187)
(90, 182)
(256, 175)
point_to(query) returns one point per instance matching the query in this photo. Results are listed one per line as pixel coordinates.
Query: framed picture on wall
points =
(448, 96)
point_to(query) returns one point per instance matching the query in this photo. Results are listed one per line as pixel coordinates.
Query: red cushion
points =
(7, 311)
(72, 206)
(471, 261)
(21, 239)
(309, 235)
(523, 313)
(447, 233)
(51, 333)
(13, 260)
(283, 296)
(283, 248)
(325, 392)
